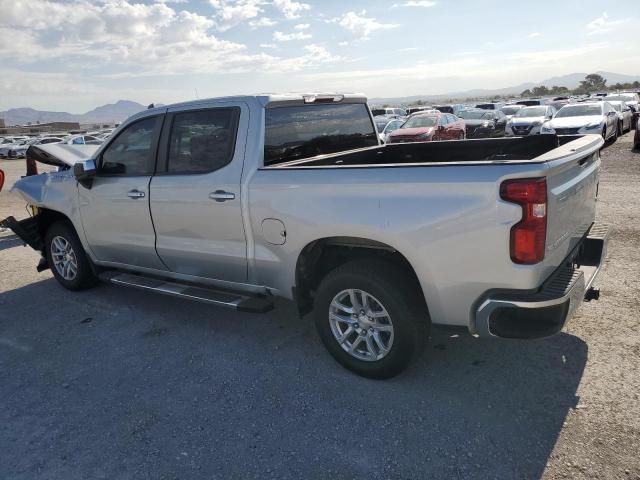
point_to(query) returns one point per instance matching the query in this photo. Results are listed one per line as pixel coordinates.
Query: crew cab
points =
(232, 201)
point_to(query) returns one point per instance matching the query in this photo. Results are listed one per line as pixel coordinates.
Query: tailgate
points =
(572, 187)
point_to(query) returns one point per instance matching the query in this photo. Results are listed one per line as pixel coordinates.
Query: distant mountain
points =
(113, 112)
(110, 113)
(570, 81)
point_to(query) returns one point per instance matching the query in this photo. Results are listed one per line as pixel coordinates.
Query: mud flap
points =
(29, 232)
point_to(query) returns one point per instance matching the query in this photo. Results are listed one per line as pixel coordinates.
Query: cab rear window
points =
(298, 132)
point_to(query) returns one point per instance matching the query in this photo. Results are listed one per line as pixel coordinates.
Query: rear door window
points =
(202, 141)
(304, 131)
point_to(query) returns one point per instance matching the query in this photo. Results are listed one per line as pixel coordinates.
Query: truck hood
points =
(575, 122)
(60, 154)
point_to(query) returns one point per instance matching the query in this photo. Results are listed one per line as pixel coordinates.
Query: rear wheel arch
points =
(320, 257)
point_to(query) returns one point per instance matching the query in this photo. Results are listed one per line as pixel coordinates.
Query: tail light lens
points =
(528, 236)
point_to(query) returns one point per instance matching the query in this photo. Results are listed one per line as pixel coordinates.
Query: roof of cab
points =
(263, 99)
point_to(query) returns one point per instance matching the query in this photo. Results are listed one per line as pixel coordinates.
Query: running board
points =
(238, 301)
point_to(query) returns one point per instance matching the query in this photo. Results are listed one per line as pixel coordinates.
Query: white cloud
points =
(361, 25)
(287, 37)
(534, 34)
(602, 24)
(171, 1)
(291, 9)
(262, 22)
(268, 45)
(230, 13)
(416, 3)
(302, 26)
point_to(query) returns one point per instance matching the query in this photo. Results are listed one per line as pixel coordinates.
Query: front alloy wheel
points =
(64, 258)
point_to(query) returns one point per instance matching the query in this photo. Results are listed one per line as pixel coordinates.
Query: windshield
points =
(297, 132)
(510, 110)
(579, 111)
(617, 106)
(420, 121)
(532, 112)
(380, 124)
(475, 114)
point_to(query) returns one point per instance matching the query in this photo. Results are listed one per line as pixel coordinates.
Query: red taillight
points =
(528, 236)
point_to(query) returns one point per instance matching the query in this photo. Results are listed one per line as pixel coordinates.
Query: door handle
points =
(135, 194)
(222, 196)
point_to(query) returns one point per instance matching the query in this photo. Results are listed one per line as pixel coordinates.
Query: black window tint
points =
(131, 151)
(202, 141)
(294, 133)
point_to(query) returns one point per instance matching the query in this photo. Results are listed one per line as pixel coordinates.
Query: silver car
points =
(528, 121)
(510, 110)
(624, 115)
(386, 126)
(582, 118)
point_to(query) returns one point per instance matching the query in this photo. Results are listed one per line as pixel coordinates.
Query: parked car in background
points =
(632, 101)
(558, 104)
(427, 127)
(490, 106)
(9, 143)
(532, 102)
(454, 108)
(82, 140)
(412, 110)
(529, 120)
(582, 118)
(510, 110)
(389, 111)
(20, 151)
(385, 127)
(625, 115)
(484, 123)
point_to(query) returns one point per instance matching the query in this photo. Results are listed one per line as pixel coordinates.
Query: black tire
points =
(397, 293)
(619, 130)
(84, 277)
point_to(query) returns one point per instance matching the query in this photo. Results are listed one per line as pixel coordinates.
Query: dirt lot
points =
(117, 384)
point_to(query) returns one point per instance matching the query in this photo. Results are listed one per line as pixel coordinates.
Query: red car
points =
(427, 127)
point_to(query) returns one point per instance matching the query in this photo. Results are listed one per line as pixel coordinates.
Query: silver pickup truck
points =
(233, 201)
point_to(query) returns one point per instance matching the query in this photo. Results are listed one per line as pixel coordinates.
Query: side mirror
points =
(84, 172)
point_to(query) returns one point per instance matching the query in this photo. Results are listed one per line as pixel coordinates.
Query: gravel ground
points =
(117, 384)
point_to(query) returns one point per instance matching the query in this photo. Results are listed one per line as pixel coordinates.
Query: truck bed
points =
(484, 151)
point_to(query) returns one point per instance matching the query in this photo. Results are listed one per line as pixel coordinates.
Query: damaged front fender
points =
(29, 231)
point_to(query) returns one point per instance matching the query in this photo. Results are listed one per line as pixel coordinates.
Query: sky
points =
(74, 55)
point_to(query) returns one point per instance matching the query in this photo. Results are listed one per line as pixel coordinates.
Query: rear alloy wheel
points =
(371, 317)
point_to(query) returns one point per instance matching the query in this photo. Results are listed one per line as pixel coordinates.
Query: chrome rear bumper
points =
(513, 314)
